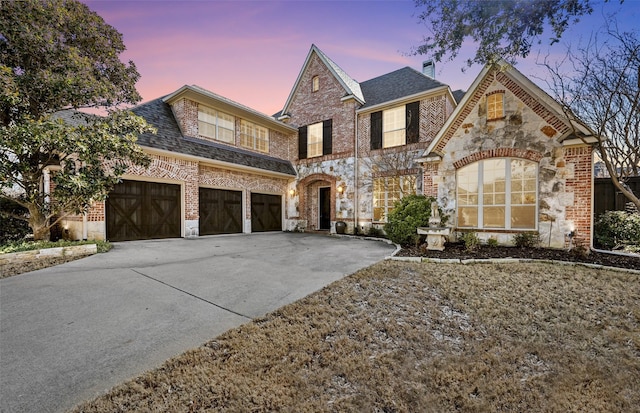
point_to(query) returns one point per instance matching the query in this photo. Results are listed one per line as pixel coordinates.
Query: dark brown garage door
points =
(266, 212)
(143, 210)
(220, 211)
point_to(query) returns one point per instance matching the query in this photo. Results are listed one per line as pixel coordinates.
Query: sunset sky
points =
(252, 51)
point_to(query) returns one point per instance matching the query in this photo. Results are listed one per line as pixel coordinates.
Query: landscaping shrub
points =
(470, 240)
(492, 242)
(409, 213)
(375, 232)
(526, 240)
(618, 230)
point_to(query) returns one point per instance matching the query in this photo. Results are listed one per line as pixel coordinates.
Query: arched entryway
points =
(318, 201)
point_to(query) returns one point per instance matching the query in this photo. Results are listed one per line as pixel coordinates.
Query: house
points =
(343, 150)
(509, 160)
(357, 142)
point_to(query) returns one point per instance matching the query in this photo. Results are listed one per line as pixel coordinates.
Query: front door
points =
(325, 208)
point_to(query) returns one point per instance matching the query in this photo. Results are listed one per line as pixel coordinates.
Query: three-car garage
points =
(138, 210)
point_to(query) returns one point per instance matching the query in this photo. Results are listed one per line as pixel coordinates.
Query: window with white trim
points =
(394, 127)
(314, 140)
(254, 136)
(498, 193)
(388, 190)
(495, 106)
(216, 125)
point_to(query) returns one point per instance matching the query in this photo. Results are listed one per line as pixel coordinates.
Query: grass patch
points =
(20, 246)
(400, 337)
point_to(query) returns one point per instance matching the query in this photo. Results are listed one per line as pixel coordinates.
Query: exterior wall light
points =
(292, 192)
(340, 189)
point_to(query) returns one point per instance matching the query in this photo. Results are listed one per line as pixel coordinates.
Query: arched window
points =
(498, 193)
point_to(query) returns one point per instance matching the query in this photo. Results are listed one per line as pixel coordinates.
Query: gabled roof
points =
(350, 86)
(169, 138)
(206, 97)
(538, 100)
(395, 85)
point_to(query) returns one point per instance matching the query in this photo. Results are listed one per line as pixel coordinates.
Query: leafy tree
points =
(57, 55)
(600, 84)
(501, 28)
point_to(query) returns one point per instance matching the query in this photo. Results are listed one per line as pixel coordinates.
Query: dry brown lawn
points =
(404, 337)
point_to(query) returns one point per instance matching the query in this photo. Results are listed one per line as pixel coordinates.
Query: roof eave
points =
(407, 98)
(214, 162)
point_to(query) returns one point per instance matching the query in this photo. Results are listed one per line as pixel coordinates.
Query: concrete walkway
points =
(71, 332)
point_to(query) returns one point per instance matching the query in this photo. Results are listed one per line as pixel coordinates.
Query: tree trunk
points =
(39, 225)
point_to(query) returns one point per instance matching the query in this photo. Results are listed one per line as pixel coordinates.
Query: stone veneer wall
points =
(564, 173)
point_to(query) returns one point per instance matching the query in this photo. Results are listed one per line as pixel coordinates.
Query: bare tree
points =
(600, 84)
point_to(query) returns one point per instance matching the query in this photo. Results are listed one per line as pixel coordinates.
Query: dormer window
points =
(315, 84)
(495, 106)
(216, 125)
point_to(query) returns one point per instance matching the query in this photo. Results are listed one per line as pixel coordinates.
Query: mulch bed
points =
(458, 251)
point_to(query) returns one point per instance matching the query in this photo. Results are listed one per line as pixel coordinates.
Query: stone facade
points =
(528, 130)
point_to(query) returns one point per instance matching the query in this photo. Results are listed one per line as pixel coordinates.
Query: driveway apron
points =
(71, 332)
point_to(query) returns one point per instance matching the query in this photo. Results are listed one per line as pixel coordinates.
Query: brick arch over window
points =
(498, 153)
(303, 184)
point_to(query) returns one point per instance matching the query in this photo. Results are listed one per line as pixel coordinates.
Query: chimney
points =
(429, 68)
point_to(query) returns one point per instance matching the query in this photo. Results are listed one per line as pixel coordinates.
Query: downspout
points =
(356, 225)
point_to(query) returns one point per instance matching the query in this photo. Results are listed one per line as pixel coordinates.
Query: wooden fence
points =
(607, 198)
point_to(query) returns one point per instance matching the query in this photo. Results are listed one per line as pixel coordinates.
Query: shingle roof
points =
(458, 95)
(170, 138)
(395, 85)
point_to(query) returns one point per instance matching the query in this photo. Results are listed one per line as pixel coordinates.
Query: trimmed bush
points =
(526, 240)
(408, 214)
(470, 240)
(618, 230)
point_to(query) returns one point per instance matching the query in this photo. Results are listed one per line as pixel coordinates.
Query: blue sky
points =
(252, 51)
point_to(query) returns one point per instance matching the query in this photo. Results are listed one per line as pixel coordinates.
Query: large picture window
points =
(253, 136)
(388, 190)
(498, 193)
(216, 125)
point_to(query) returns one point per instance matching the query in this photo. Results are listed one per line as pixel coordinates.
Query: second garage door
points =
(266, 212)
(220, 211)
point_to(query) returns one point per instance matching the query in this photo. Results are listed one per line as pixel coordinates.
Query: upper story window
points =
(395, 126)
(495, 106)
(498, 193)
(315, 139)
(254, 136)
(216, 125)
(315, 84)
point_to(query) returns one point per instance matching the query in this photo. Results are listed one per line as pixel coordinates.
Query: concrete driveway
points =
(71, 332)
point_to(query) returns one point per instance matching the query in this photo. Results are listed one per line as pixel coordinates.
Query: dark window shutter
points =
(327, 138)
(413, 122)
(302, 142)
(376, 130)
